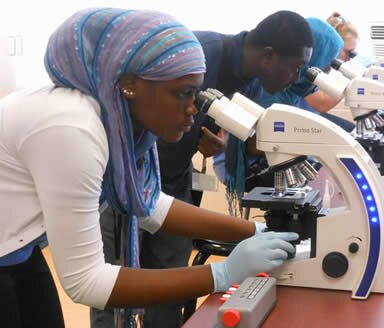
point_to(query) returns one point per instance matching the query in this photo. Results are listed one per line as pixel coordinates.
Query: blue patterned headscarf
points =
(327, 45)
(90, 52)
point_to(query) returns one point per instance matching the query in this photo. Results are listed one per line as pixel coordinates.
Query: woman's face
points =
(350, 44)
(165, 108)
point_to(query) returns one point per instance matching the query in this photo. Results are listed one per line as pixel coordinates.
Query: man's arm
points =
(321, 102)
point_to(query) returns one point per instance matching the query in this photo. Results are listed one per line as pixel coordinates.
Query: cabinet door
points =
(8, 54)
(15, 45)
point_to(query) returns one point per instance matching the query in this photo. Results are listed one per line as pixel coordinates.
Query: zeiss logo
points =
(278, 126)
(360, 91)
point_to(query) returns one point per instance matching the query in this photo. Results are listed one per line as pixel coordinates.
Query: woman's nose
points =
(191, 110)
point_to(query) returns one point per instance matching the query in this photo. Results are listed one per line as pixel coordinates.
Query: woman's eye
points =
(186, 94)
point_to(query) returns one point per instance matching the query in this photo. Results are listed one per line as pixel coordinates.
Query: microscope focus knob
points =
(353, 248)
(335, 264)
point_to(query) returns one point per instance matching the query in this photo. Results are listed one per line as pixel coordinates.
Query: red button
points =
(262, 274)
(231, 318)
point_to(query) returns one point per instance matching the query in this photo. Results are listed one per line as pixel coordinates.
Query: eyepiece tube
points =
(204, 100)
(215, 92)
(352, 54)
(330, 85)
(349, 69)
(312, 73)
(232, 117)
(336, 64)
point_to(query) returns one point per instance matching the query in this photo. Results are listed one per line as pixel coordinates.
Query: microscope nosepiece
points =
(360, 130)
(369, 124)
(378, 120)
(279, 182)
(290, 177)
(308, 170)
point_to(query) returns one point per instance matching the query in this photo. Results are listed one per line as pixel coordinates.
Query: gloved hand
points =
(260, 253)
(260, 227)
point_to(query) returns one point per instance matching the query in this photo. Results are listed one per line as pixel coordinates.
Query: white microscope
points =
(345, 243)
(352, 69)
(379, 61)
(364, 96)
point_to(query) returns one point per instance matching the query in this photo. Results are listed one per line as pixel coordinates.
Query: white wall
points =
(224, 16)
(7, 67)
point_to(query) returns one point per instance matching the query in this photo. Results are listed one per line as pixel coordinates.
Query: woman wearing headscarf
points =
(120, 78)
(242, 159)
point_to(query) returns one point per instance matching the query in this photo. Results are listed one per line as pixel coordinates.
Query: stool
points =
(206, 248)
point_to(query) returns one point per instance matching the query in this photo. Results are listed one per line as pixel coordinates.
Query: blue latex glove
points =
(260, 253)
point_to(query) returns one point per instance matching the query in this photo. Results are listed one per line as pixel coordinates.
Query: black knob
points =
(352, 54)
(335, 264)
(311, 73)
(353, 247)
(336, 63)
(204, 100)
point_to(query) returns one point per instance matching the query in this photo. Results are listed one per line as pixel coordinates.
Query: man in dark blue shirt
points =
(271, 56)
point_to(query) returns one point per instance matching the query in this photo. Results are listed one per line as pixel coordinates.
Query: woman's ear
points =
(127, 85)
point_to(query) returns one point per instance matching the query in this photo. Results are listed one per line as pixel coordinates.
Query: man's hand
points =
(211, 144)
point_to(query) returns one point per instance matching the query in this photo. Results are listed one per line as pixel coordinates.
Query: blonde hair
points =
(342, 26)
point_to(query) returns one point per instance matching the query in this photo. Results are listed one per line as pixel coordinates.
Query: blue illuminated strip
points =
(374, 226)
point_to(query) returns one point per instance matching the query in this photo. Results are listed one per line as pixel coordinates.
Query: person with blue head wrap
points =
(120, 79)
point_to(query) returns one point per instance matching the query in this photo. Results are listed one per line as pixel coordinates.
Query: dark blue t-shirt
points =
(223, 55)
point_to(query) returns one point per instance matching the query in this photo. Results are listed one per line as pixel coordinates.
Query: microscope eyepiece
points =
(204, 99)
(336, 63)
(215, 92)
(352, 54)
(311, 73)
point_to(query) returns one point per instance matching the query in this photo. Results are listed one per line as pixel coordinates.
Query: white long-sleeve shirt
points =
(53, 154)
